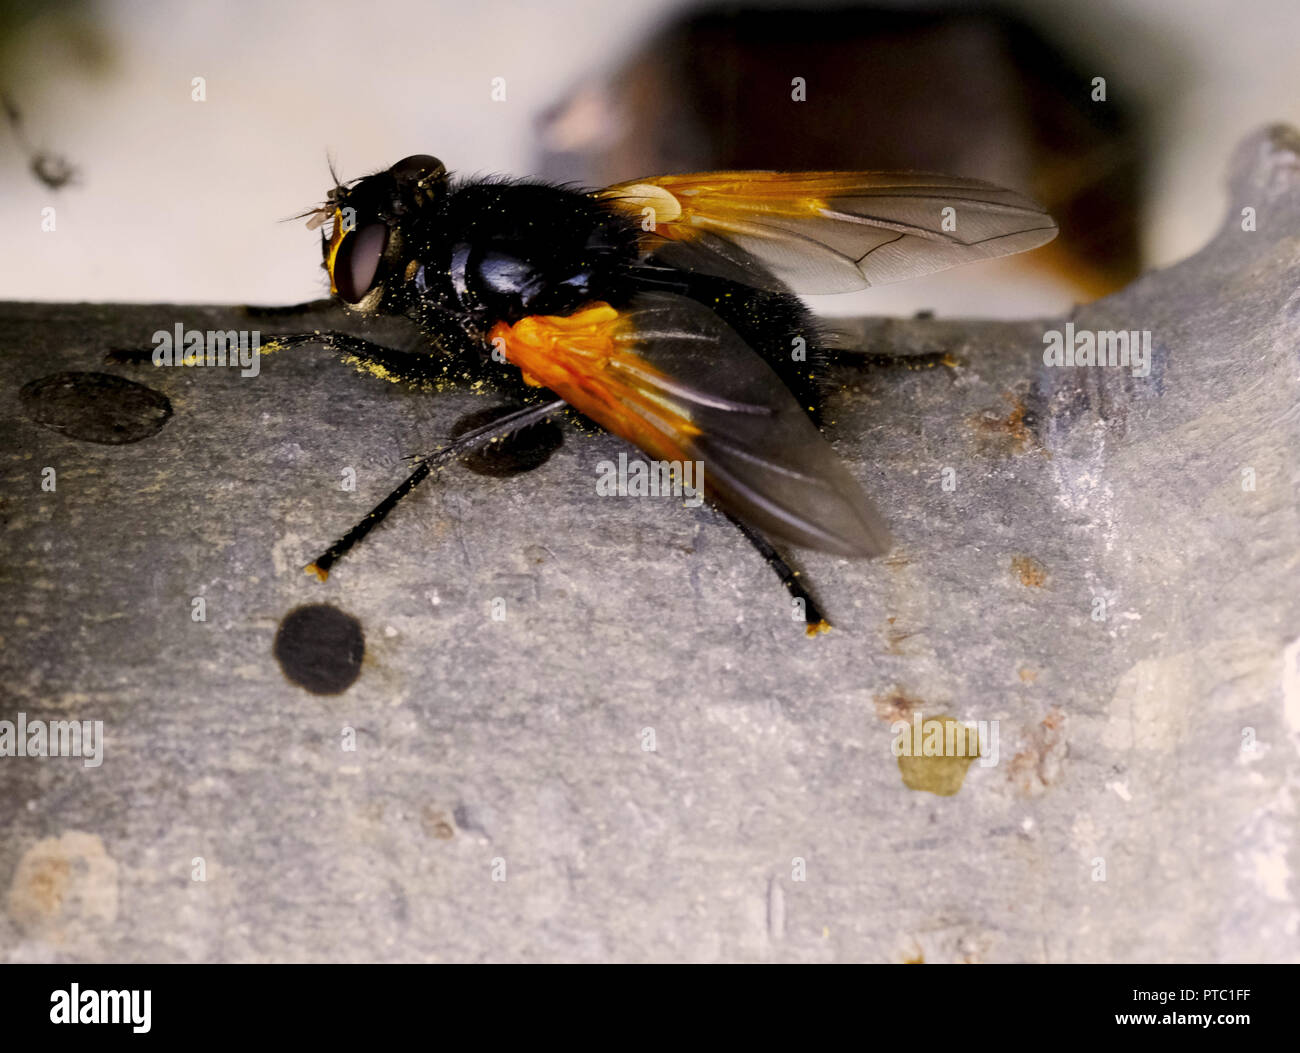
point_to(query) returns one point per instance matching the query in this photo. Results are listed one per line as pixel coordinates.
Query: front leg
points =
(386, 363)
(293, 309)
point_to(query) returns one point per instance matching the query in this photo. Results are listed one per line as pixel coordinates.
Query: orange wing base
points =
(585, 358)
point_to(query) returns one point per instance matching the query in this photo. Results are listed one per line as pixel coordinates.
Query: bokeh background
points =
(183, 201)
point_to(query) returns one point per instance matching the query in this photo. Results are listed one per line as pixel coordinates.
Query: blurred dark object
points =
(40, 41)
(73, 35)
(960, 92)
(53, 170)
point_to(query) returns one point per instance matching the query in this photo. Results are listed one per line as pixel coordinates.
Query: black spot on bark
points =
(95, 407)
(522, 451)
(320, 648)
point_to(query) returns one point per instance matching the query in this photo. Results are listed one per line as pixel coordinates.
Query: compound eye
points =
(357, 261)
(418, 167)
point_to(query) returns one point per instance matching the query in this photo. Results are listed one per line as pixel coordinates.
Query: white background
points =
(180, 201)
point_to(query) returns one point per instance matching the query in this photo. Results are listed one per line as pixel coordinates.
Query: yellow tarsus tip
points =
(818, 628)
(321, 575)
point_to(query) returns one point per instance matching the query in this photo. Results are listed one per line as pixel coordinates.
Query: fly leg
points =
(493, 431)
(814, 621)
(386, 362)
(852, 342)
(290, 310)
(884, 360)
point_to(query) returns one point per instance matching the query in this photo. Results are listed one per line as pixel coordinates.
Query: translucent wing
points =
(670, 376)
(827, 232)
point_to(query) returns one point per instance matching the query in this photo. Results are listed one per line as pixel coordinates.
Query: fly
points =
(663, 310)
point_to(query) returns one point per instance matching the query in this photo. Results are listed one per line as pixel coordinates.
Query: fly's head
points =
(371, 223)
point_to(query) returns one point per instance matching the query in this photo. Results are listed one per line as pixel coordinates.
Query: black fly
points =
(663, 310)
